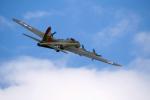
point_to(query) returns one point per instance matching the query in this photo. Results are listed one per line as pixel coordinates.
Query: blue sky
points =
(118, 30)
(109, 26)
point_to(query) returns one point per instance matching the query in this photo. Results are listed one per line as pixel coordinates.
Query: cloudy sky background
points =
(119, 30)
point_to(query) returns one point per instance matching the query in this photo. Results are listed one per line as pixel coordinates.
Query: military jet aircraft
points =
(63, 45)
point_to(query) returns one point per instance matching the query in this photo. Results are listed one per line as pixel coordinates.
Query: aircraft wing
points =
(83, 52)
(30, 28)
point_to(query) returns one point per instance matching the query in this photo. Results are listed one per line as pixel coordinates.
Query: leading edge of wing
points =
(30, 28)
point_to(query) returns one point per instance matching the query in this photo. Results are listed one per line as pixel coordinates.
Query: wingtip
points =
(117, 64)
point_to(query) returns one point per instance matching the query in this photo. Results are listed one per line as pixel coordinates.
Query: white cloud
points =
(142, 41)
(5, 23)
(36, 14)
(41, 14)
(122, 24)
(41, 79)
(142, 65)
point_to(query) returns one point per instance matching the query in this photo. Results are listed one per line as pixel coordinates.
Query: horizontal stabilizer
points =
(33, 38)
(28, 27)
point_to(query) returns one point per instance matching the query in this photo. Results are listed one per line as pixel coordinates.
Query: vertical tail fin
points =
(47, 36)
